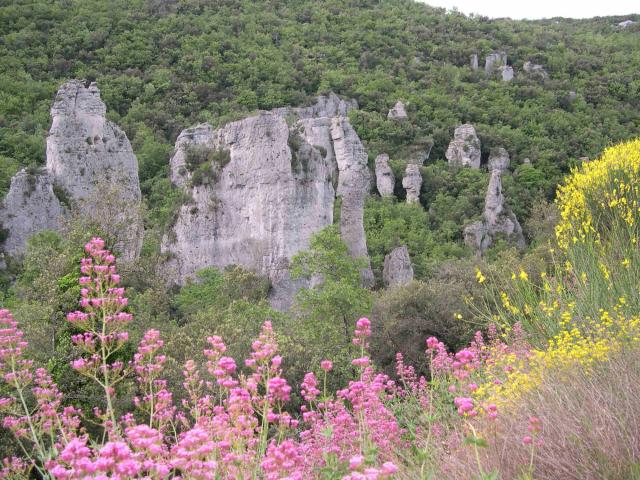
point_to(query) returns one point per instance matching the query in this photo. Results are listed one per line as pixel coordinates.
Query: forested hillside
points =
(166, 65)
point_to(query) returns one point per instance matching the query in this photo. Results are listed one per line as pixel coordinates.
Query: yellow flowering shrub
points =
(600, 197)
(506, 375)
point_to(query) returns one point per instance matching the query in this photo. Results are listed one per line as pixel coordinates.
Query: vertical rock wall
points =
(267, 187)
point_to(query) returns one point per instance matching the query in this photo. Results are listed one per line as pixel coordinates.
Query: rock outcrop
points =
(412, 182)
(494, 61)
(397, 267)
(474, 62)
(497, 219)
(262, 186)
(385, 180)
(535, 70)
(464, 149)
(626, 23)
(398, 112)
(507, 73)
(353, 186)
(86, 153)
(89, 158)
(30, 206)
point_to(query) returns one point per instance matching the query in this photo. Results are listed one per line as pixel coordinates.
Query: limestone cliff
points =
(260, 187)
(88, 155)
(29, 207)
(89, 164)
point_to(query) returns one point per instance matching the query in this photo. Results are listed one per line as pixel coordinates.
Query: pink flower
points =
(360, 362)
(326, 365)
(355, 462)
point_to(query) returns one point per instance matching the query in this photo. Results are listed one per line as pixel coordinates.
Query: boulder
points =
(412, 182)
(385, 180)
(398, 112)
(397, 267)
(626, 23)
(464, 149)
(262, 186)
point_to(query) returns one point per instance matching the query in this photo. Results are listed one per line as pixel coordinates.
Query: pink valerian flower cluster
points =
(155, 401)
(225, 429)
(460, 368)
(534, 428)
(102, 320)
(41, 428)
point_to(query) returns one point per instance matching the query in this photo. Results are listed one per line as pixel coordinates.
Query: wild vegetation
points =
(550, 389)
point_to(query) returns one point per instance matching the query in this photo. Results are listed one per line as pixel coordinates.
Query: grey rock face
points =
(535, 70)
(412, 181)
(474, 62)
(397, 267)
(464, 149)
(269, 187)
(29, 207)
(398, 112)
(493, 61)
(496, 218)
(499, 160)
(626, 23)
(85, 151)
(385, 180)
(353, 186)
(88, 159)
(507, 73)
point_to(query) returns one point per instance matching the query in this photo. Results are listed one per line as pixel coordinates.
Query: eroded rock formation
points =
(507, 73)
(464, 149)
(412, 182)
(29, 207)
(87, 156)
(260, 187)
(474, 62)
(494, 61)
(497, 219)
(385, 180)
(398, 112)
(86, 152)
(397, 267)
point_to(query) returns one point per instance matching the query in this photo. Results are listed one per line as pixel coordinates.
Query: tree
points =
(333, 301)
